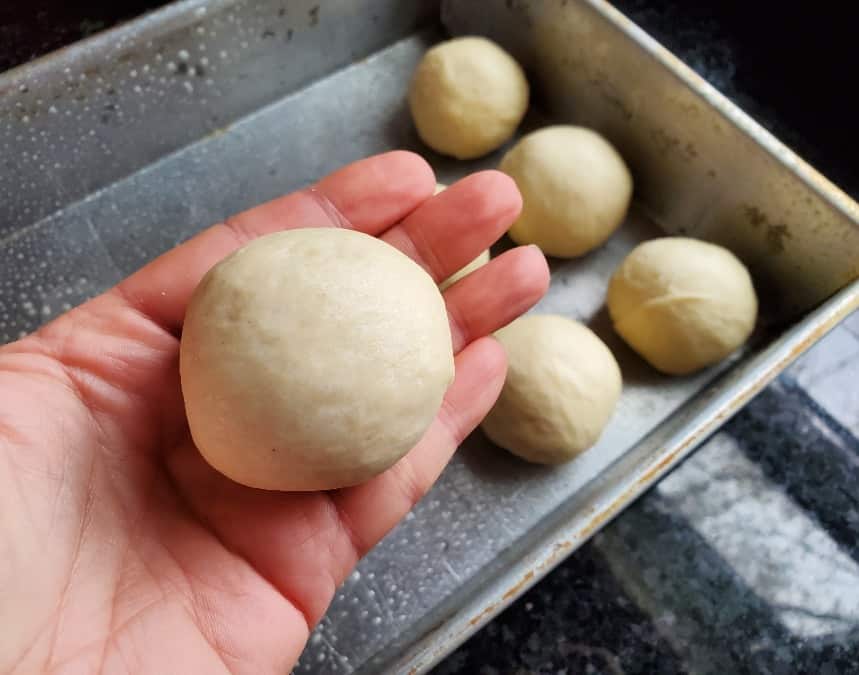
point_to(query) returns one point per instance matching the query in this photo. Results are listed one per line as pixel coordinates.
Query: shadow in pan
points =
(635, 370)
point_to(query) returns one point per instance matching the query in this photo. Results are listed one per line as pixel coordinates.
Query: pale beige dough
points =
(682, 304)
(467, 96)
(313, 359)
(562, 386)
(477, 263)
(575, 189)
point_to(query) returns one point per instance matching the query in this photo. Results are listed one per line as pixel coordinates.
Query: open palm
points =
(121, 550)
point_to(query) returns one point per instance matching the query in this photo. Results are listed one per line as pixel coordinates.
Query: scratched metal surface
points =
(120, 148)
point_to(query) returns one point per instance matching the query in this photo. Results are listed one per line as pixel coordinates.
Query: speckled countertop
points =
(746, 558)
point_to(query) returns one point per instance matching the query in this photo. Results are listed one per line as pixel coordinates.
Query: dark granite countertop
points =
(746, 558)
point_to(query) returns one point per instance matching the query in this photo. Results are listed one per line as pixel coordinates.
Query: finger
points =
(451, 229)
(495, 294)
(371, 509)
(369, 195)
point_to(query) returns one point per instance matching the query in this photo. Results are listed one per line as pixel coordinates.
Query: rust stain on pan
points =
(653, 472)
(560, 551)
(509, 594)
(513, 591)
(602, 517)
(483, 613)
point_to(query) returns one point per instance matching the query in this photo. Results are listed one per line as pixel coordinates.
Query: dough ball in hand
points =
(313, 359)
(682, 304)
(575, 189)
(478, 262)
(561, 389)
(467, 96)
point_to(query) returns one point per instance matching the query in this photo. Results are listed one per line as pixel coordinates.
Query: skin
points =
(121, 550)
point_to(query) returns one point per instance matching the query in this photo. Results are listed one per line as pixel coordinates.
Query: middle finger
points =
(449, 230)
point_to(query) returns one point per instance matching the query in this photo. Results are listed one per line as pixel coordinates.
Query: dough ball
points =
(575, 189)
(561, 389)
(682, 304)
(467, 97)
(479, 261)
(313, 359)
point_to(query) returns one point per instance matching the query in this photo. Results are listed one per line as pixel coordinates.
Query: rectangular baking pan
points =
(120, 147)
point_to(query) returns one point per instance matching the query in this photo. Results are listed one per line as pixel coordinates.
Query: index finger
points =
(370, 195)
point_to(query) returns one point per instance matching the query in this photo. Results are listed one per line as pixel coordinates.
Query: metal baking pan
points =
(120, 147)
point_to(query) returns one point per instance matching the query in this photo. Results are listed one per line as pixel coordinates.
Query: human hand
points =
(122, 550)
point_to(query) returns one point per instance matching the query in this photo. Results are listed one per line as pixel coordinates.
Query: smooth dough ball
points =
(313, 359)
(467, 97)
(575, 189)
(479, 261)
(682, 304)
(561, 389)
